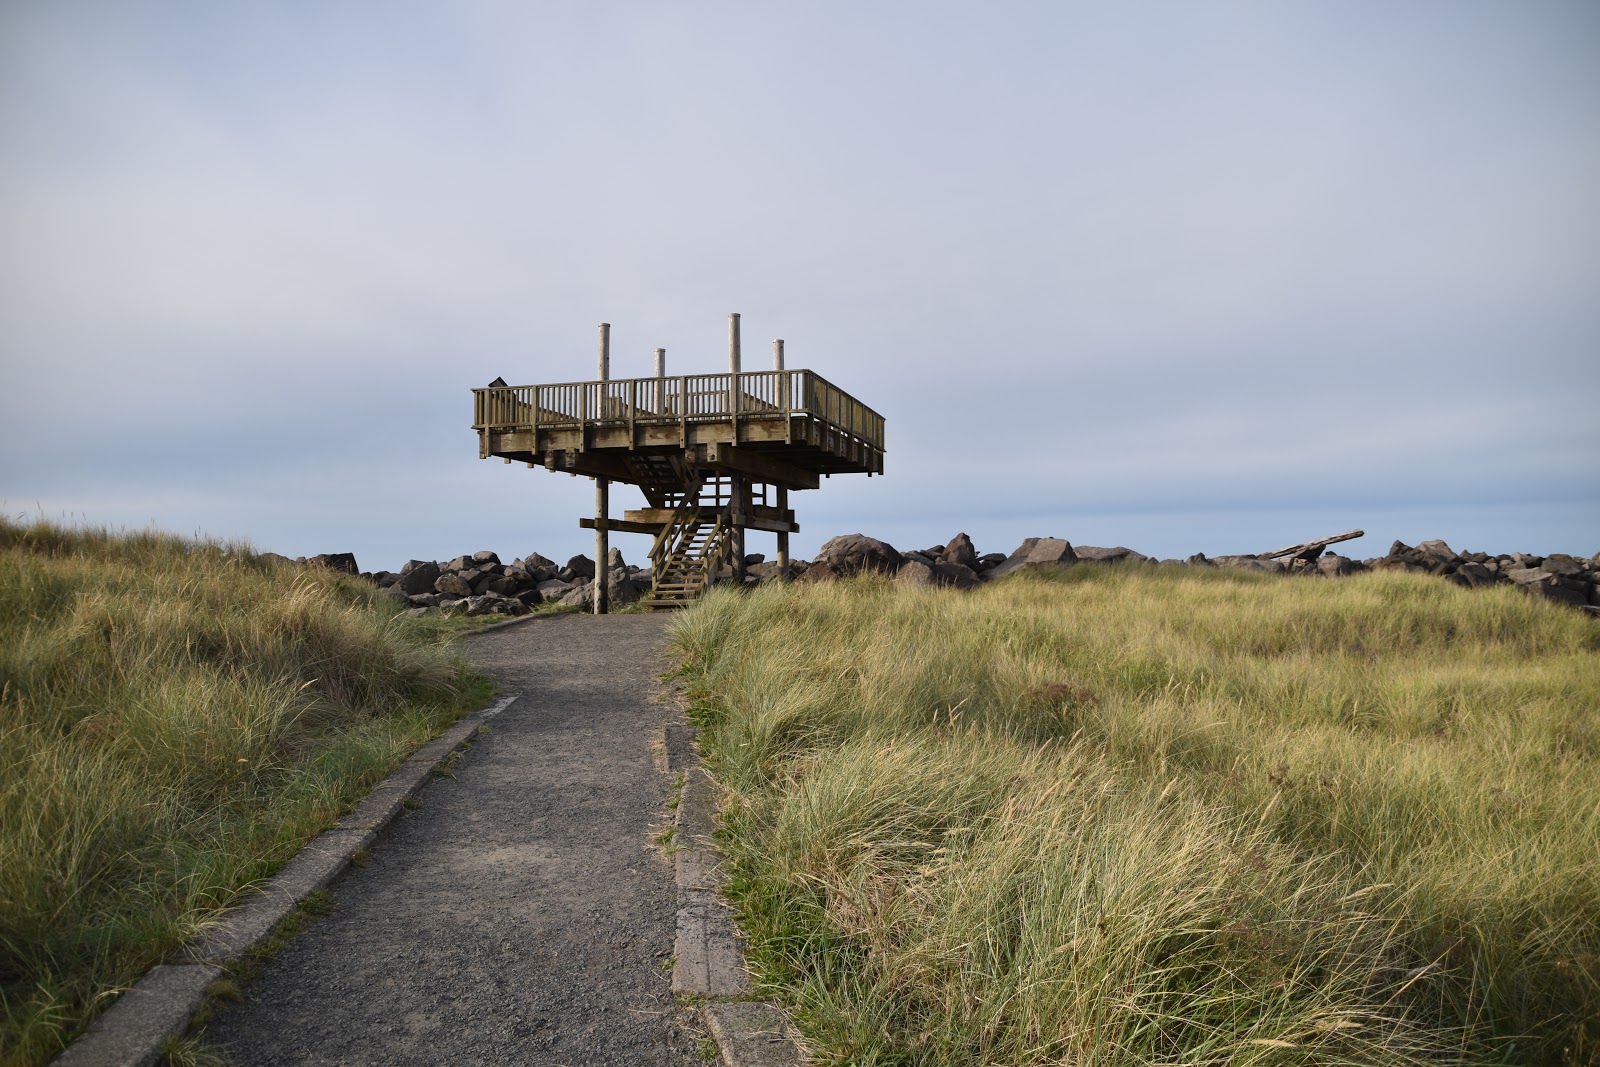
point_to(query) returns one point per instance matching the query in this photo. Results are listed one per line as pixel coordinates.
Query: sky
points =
(1188, 278)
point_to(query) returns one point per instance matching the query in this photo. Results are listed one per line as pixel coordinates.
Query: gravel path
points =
(518, 916)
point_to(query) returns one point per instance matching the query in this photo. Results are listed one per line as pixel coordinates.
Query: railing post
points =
(733, 373)
(661, 373)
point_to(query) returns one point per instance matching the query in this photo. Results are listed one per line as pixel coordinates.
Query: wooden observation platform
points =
(714, 454)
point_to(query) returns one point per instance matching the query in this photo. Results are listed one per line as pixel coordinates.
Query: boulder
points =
(424, 600)
(580, 566)
(1036, 552)
(914, 572)
(485, 556)
(614, 560)
(1437, 550)
(1333, 565)
(500, 585)
(751, 559)
(960, 551)
(459, 564)
(956, 575)
(858, 553)
(489, 604)
(452, 585)
(551, 589)
(418, 576)
(343, 562)
(820, 571)
(1109, 555)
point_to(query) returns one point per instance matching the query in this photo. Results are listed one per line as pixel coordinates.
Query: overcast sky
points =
(1185, 277)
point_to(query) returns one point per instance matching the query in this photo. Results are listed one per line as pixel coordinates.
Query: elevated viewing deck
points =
(715, 455)
(783, 426)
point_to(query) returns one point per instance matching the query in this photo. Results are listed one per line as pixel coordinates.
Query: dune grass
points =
(1136, 815)
(176, 719)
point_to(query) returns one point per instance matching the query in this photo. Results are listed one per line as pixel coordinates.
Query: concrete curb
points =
(159, 1005)
(708, 962)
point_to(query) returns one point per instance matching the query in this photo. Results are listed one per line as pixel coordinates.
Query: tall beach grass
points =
(176, 719)
(1138, 815)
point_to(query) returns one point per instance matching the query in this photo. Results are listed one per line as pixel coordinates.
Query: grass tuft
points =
(1119, 815)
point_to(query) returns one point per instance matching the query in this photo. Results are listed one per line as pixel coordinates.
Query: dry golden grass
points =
(176, 718)
(1140, 815)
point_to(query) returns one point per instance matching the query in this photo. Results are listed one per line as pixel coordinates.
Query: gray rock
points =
(424, 600)
(551, 589)
(1333, 565)
(580, 566)
(960, 551)
(820, 571)
(499, 585)
(614, 560)
(417, 613)
(1109, 555)
(485, 556)
(914, 572)
(1437, 550)
(418, 576)
(956, 575)
(858, 553)
(452, 585)
(1036, 552)
(459, 564)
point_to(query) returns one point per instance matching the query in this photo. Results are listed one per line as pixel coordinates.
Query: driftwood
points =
(1313, 549)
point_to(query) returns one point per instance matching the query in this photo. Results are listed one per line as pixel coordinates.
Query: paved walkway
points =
(518, 916)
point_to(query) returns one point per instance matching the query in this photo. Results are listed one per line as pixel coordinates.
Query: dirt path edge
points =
(708, 962)
(134, 1031)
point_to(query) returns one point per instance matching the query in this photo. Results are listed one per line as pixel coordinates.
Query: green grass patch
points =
(1142, 815)
(176, 719)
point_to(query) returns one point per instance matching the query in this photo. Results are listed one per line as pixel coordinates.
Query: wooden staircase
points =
(691, 549)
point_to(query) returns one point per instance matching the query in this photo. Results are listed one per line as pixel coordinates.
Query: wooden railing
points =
(684, 398)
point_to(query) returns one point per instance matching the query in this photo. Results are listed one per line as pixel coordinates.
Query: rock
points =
(395, 594)
(499, 585)
(1109, 555)
(1563, 564)
(614, 560)
(581, 597)
(914, 572)
(1036, 552)
(418, 576)
(1199, 560)
(858, 553)
(343, 562)
(453, 607)
(489, 604)
(459, 564)
(956, 575)
(1437, 550)
(751, 559)
(1526, 575)
(1250, 563)
(820, 571)
(960, 551)
(551, 589)
(1333, 565)
(581, 566)
(425, 600)
(485, 556)
(1474, 574)
(452, 585)
(530, 597)
(417, 613)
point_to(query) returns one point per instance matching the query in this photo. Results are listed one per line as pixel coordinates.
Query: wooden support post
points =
(739, 488)
(602, 547)
(661, 385)
(783, 535)
(777, 354)
(602, 487)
